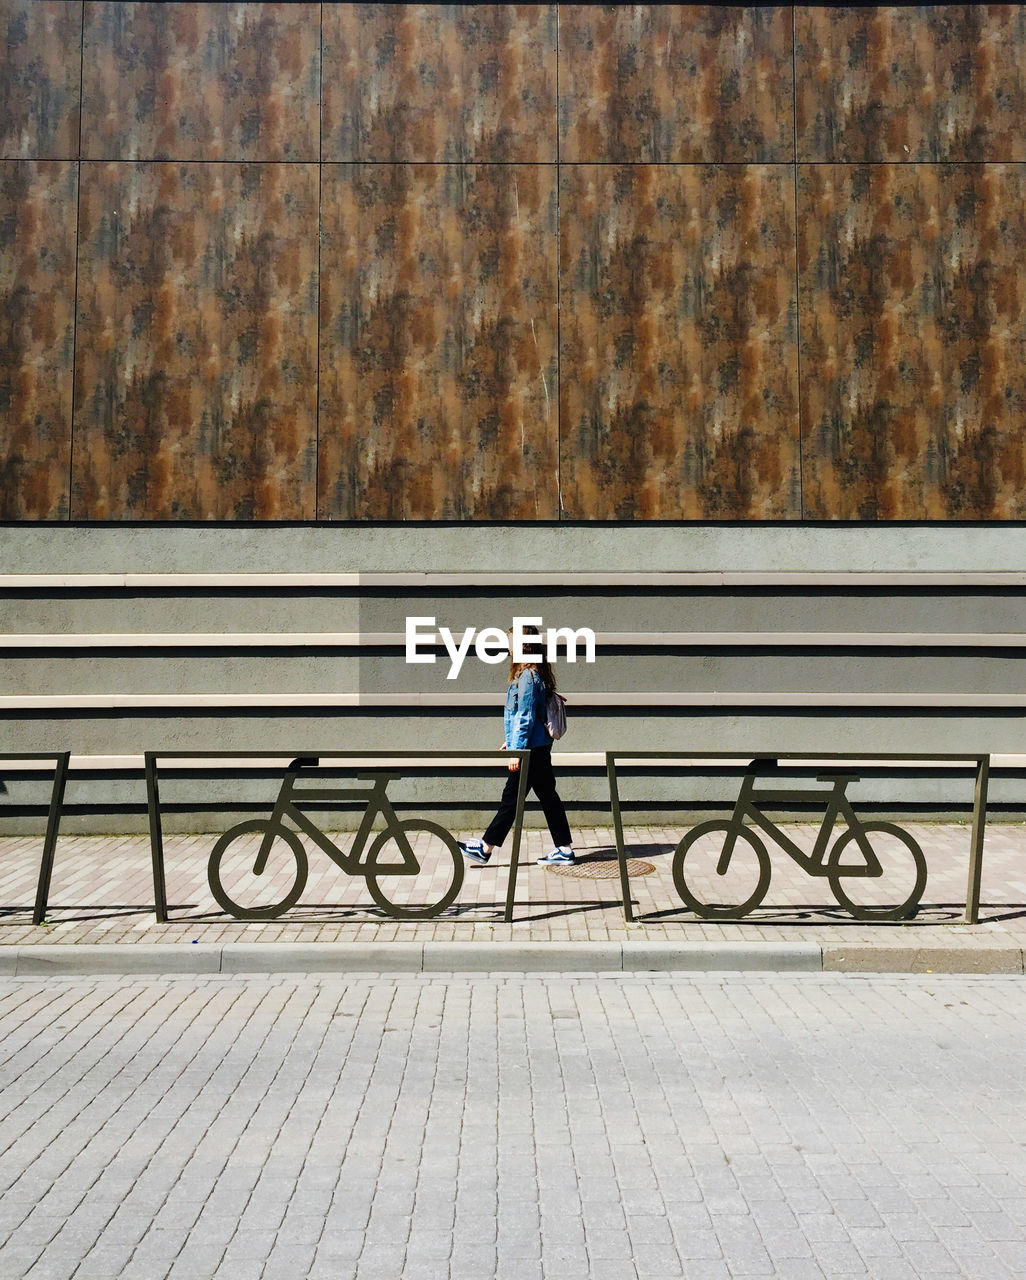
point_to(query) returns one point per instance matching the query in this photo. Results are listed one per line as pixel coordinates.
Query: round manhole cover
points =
(603, 869)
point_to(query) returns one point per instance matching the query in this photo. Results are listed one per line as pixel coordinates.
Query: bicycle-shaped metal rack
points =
(258, 869)
(714, 866)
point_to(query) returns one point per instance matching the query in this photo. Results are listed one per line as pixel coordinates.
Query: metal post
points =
(518, 827)
(621, 852)
(53, 822)
(156, 838)
(972, 893)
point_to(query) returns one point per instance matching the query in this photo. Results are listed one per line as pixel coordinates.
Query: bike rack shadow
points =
(826, 914)
(481, 912)
(89, 910)
(367, 763)
(762, 761)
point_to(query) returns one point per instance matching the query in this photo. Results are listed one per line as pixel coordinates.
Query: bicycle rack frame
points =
(61, 761)
(153, 759)
(982, 763)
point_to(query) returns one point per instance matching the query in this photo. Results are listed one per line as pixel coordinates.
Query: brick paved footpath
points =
(102, 892)
(522, 1128)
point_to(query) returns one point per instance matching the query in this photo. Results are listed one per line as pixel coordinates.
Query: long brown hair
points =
(544, 669)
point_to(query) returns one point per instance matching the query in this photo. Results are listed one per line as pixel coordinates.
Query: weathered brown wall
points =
(530, 262)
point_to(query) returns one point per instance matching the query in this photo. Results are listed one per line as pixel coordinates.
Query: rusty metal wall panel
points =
(439, 83)
(914, 341)
(678, 395)
(40, 83)
(201, 81)
(438, 342)
(911, 82)
(665, 83)
(197, 336)
(37, 302)
(207, 345)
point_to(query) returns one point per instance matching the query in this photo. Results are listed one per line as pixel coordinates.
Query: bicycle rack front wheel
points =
(236, 887)
(716, 895)
(903, 872)
(433, 886)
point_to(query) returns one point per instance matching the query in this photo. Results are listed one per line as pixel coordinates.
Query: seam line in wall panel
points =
(797, 269)
(74, 315)
(317, 370)
(559, 299)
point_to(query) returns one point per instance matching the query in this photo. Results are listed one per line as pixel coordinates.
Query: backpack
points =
(555, 715)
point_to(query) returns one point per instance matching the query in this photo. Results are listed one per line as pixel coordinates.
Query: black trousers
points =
(542, 781)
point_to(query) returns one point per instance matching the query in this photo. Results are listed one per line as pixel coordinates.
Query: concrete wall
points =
(820, 688)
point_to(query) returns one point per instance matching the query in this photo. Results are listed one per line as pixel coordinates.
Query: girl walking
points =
(530, 684)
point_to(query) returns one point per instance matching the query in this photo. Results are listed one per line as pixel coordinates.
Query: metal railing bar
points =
(253, 760)
(27, 762)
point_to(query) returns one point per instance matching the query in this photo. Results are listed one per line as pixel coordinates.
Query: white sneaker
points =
(558, 858)
(473, 851)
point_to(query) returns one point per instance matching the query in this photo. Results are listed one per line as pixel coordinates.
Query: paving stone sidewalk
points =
(523, 1128)
(102, 892)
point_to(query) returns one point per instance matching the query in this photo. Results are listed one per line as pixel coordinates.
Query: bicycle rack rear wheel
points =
(246, 838)
(435, 886)
(698, 900)
(873, 911)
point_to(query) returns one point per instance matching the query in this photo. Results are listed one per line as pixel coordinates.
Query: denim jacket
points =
(525, 713)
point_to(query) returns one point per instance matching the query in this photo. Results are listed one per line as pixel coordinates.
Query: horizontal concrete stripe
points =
(129, 581)
(367, 639)
(199, 639)
(640, 700)
(490, 580)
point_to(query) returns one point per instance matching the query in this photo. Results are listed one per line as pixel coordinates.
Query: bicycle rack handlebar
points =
(773, 768)
(371, 775)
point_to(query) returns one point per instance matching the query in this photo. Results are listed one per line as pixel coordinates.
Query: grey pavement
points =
(442, 1127)
(102, 897)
